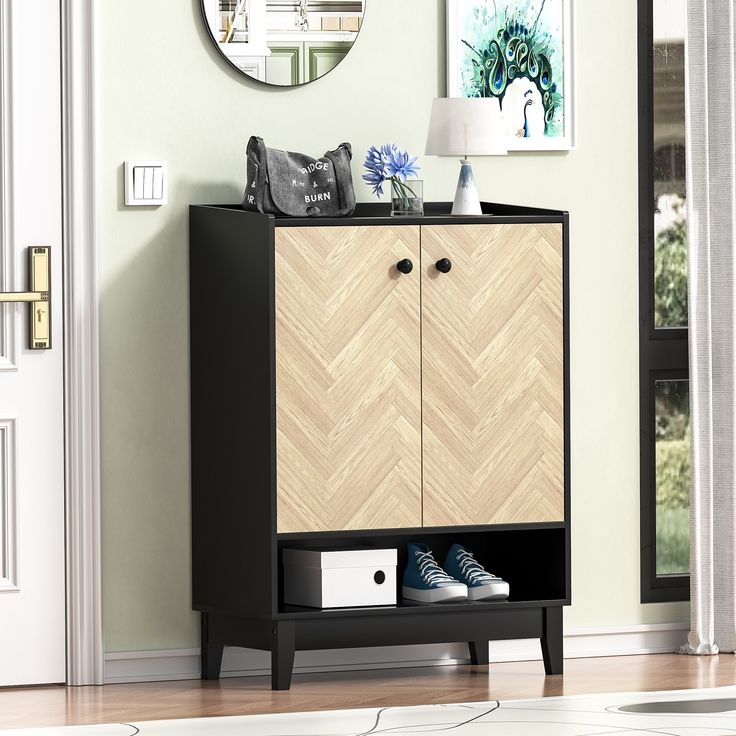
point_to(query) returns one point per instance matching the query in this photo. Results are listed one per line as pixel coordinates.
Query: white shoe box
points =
(340, 578)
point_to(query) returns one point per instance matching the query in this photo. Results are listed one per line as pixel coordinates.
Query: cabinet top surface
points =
(435, 213)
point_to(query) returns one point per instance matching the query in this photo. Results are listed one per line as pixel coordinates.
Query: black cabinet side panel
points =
(232, 411)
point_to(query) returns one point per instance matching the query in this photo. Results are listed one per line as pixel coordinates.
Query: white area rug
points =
(704, 712)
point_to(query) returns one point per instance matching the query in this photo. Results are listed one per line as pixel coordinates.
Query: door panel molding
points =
(85, 649)
(317, 54)
(8, 507)
(8, 321)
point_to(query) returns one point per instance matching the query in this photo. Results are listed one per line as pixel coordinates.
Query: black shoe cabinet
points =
(278, 460)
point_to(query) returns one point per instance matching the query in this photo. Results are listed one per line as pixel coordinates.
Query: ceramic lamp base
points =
(466, 196)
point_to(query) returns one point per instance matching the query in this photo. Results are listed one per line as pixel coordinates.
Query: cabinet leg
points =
(282, 655)
(478, 652)
(552, 640)
(210, 654)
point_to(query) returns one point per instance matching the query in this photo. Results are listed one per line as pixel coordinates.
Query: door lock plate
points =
(39, 269)
(38, 297)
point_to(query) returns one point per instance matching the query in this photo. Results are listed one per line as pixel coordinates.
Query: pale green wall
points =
(166, 94)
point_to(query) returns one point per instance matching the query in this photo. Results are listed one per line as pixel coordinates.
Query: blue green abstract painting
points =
(520, 53)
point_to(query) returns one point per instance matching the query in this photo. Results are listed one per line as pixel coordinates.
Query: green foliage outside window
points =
(672, 410)
(673, 501)
(673, 476)
(670, 273)
(673, 541)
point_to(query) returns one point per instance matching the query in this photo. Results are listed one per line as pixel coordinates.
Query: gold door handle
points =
(24, 296)
(38, 298)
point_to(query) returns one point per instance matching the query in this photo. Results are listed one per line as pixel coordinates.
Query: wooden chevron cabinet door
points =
(492, 374)
(348, 372)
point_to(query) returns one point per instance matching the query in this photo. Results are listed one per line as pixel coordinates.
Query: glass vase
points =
(407, 197)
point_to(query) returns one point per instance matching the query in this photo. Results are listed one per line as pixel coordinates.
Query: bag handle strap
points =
(340, 159)
(256, 154)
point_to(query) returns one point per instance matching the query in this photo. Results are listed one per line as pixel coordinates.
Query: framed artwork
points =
(520, 52)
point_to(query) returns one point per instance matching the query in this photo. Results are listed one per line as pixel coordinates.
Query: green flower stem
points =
(400, 189)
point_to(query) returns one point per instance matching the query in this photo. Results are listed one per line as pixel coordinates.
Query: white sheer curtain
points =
(711, 203)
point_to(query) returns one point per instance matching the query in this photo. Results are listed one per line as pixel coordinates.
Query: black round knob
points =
(443, 265)
(380, 577)
(405, 265)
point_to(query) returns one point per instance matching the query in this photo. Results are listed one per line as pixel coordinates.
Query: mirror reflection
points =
(284, 42)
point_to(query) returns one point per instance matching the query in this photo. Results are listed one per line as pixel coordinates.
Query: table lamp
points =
(466, 126)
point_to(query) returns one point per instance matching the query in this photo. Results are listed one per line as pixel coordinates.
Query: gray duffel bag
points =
(286, 183)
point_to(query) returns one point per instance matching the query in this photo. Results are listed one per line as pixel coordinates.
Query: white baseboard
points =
(183, 664)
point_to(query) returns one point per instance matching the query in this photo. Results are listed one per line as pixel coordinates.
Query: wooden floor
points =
(49, 706)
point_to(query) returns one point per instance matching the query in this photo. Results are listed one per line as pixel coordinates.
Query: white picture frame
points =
(557, 19)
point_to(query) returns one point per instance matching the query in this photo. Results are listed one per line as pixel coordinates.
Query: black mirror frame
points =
(243, 74)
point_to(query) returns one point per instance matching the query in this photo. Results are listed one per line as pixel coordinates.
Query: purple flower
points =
(402, 165)
(375, 179)
(374, 159)
(388, 150)
(375, 165)
(388, 163)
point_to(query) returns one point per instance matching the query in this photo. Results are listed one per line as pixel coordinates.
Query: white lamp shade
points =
(466, 126)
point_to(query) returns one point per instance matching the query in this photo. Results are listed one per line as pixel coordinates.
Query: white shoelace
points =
(431, 572)
(472, 569)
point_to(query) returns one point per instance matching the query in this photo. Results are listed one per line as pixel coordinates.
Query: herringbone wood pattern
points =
(348, 369)
(492, 374)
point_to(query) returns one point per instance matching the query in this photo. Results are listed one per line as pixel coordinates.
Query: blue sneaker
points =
(425, 581)
(482, 586)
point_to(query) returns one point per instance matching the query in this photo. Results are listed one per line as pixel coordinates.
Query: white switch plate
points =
(146, 183)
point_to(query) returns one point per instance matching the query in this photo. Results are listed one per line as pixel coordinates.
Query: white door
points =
(32, 607)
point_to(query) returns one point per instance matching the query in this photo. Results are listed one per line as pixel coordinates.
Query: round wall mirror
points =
(284, 42)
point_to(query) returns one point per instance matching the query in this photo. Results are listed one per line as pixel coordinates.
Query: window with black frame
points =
(665, 414)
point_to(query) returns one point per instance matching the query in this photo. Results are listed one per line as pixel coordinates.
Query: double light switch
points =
(146, 183)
